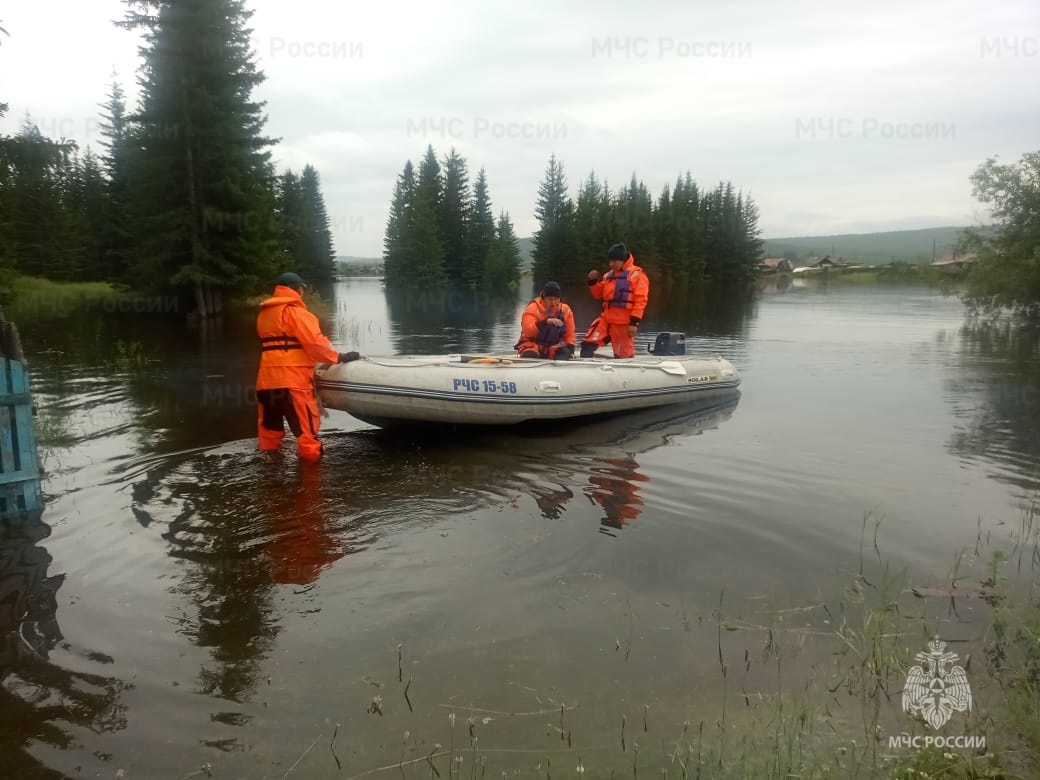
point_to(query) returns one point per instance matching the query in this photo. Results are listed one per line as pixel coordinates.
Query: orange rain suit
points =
(538, 335)
(624, 295)
(291, 344)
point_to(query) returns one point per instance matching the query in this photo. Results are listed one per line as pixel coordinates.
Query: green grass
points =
(836, 695)
(53, 429)
(30, 298)
(34, 285)
(250, 306)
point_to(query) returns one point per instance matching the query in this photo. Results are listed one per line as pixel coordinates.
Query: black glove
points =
(346, 357)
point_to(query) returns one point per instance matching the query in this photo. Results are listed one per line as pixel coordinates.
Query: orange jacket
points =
(624, 295)
(291, 342)
(532, 327)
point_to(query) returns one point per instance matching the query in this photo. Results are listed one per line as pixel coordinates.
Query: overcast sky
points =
(837, 118)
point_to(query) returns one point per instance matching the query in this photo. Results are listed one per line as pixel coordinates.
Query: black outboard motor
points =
(669, 344)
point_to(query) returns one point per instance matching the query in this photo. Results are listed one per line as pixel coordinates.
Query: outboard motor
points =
(669, 344)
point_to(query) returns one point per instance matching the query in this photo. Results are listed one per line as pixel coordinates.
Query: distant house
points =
(775, 265)
(954, 263)
(816, 264)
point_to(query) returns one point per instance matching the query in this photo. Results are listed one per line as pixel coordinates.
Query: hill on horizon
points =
(912, 246)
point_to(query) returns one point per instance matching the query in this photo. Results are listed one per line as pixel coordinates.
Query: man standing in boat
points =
(291, 344)
(547, 327)
(624, 290)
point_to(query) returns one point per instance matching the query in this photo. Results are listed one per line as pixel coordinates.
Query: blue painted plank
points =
(19, 461)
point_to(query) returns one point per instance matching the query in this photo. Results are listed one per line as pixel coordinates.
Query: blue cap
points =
(290, 279)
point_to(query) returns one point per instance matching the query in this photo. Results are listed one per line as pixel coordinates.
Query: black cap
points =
(618, 252)
(290, 279)
(551, 290)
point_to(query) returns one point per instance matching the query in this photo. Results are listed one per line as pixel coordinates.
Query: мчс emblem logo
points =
(932, 691)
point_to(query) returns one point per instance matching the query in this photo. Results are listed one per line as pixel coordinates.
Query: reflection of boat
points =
(553, 462)
(501, 390)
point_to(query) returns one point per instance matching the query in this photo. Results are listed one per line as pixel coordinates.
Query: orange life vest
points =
(278, 348)
(624, 293)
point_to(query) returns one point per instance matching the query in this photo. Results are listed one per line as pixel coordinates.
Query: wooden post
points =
(19, 459)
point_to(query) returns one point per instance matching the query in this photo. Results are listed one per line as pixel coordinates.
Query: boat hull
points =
(505, 390)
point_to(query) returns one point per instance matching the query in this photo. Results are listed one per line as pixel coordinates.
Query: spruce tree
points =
(114, 132)
(502, 269)
(423, 247)
(317, 261)
(202, 184)
(289, 210)
(116, 235)
(553, 242)
(455, 206)
(752, 250)
(401, 206)
(593, 231)
(711, 240)
(36, 185)
(86, 209)
(664, 233)
(689, 245)
(480, 230)
(632, 217)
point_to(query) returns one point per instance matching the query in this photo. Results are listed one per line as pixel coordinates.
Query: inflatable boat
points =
(504, 389)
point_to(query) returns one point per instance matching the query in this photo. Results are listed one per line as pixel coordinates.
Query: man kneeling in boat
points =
(547, 327)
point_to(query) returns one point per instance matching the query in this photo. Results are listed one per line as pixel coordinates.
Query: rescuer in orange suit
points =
(291, 344)
(547, 327)
(624, 290)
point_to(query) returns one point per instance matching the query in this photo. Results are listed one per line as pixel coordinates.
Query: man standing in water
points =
(624, 290)
(291, 344)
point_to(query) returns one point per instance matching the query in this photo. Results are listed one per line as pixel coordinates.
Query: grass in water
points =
(33, 299)
(833, 674)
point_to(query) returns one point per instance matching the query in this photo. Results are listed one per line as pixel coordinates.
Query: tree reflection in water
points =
(257, 525)
(39, 701)
(431, 322)
(999, 400)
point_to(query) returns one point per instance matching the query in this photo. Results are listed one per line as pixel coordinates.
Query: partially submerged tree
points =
(201, 183)
(1006, 276)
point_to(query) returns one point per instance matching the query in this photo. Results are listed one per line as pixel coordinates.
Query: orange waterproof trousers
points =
(297, 407)
(601, 332)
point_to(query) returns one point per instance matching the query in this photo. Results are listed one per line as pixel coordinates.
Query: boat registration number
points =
(482, 386)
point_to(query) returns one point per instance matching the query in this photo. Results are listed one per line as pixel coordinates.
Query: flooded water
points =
(187, 606)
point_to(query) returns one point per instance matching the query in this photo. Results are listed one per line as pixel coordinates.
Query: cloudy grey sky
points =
(837, 118)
